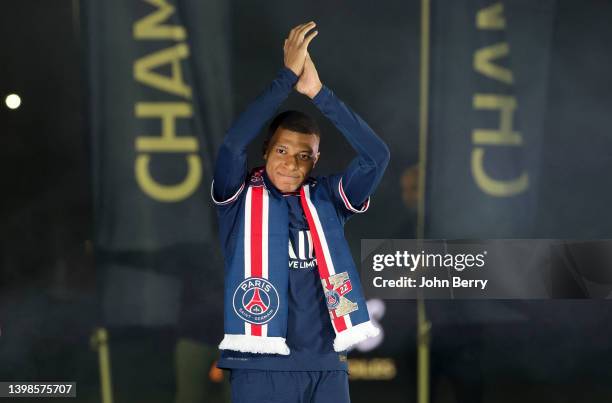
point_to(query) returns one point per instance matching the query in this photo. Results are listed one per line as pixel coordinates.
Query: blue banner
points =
(489, 69)
(159, 91)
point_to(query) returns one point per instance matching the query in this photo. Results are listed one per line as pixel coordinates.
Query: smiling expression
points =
(290, 157)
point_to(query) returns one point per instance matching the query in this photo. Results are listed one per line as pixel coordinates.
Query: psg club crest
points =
(257, 177)
(336, 287)
(256, 300)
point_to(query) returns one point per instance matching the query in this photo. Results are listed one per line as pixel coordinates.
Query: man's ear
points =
(264, 149)
(316, 159)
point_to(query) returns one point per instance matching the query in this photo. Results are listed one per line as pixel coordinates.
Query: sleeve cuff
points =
(322, 96)
(359, 209)
(287, 76)
(224, 202)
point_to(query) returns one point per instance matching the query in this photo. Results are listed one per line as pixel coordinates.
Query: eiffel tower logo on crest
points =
(256, 304)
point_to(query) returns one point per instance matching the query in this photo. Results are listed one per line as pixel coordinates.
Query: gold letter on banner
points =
(483, 62)
(143, 70)
(168, 112)
(150, 26)
(504, 135)
(168, 193)
(491, 17)
(492, 186)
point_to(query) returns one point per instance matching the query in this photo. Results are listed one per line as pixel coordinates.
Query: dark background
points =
(368, 53)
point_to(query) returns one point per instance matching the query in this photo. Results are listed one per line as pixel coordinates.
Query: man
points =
(287, 330)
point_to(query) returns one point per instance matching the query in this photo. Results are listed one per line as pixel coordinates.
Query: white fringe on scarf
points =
(254, 344)
(276, 345)
(354, 335)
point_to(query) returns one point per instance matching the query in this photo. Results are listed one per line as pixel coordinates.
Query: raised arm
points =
(363, 174)
(231, 164)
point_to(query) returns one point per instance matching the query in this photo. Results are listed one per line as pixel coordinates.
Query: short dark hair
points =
(291, 120)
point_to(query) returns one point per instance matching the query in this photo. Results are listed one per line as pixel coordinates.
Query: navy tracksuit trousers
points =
(258, 386)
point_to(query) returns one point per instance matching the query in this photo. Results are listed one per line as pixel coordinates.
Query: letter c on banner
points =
(492, 186)
(168, 193)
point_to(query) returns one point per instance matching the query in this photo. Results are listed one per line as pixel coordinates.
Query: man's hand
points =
(296, 46)
(309, 83)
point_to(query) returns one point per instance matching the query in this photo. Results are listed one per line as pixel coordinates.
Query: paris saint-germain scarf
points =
(256, 276)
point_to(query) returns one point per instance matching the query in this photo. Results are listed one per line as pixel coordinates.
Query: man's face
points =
(290, 157)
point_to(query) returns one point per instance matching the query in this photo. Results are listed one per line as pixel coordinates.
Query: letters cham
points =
(177, 104)
(486, 63)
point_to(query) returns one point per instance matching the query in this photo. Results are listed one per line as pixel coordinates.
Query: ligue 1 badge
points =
(336, 287)
(256, 300)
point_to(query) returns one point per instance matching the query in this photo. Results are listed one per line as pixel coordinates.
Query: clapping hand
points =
(296, 46)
